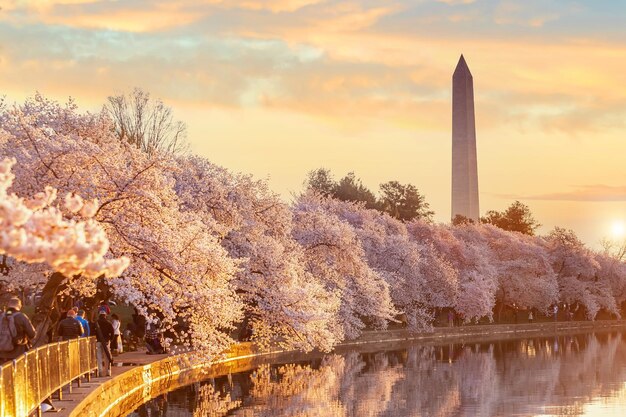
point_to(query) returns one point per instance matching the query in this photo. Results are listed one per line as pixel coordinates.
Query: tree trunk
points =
(48, 310)
(43, 320)
(501, 306)
(103, 293)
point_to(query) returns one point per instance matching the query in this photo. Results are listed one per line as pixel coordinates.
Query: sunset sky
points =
(277, 88)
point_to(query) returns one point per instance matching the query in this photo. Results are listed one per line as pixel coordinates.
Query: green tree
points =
(322, 181)
(516, 218)
(350, 188)
(460, 219)
(404, 202)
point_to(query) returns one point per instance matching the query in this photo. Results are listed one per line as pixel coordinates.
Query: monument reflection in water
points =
(582, 375)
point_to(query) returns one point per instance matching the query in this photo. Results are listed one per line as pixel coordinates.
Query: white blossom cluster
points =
(34, 231)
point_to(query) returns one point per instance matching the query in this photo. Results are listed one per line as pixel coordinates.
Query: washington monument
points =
(464, 166)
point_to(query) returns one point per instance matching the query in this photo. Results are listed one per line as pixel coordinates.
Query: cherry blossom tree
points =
(466, 249)
(335, 256)
(284, 302)
(612, 274)
(419, 279)
(525, 275)
(178, 269)
(576, 269)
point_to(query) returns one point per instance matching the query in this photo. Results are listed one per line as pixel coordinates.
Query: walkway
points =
(122, 363)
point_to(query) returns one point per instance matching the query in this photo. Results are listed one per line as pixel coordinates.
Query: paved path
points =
(122, 363)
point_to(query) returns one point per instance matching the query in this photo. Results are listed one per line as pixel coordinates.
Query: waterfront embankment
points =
(144, 377)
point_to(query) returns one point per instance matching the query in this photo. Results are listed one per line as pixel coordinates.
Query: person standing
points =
(81, 318)
(103, 307)
(16, 331)
(69, 327)
(139, 325)
(154, 338)
(530, 316)
(104, 333)
(116, 342)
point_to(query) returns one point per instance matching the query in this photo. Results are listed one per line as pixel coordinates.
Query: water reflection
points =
(560, 376)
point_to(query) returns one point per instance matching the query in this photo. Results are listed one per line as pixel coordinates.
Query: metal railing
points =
(39, 373)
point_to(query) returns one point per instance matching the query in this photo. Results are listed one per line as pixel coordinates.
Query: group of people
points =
(108, 334)
(17, 332)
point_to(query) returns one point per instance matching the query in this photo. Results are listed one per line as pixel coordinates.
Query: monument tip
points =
(462, 67)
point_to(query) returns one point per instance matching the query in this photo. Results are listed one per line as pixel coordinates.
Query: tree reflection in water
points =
(546, 376)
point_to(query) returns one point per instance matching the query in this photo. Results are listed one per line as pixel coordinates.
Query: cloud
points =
(362, 60)
(524, 14)
(275, 6)
(128, 16)
(582, 193)
(455, 2)
(139, 15)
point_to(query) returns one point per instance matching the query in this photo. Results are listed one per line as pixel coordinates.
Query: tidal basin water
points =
(578, 375)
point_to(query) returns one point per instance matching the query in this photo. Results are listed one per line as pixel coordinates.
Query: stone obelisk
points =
(464, 166)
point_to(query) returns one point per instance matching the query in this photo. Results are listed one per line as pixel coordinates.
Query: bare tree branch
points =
(146, 123)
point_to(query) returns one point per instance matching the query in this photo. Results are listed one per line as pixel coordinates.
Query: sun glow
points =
(618, 229)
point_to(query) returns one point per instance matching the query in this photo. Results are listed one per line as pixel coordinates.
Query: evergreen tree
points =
(516, 218)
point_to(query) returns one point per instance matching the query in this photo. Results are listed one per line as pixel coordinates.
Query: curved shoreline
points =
(124, 393)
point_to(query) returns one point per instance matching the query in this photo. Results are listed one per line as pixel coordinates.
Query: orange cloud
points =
(275, 6)
(150, 19)
(330, 58)
(144, 16)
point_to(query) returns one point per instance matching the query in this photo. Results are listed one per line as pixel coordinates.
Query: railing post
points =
(39, 375)
(80, 362)
(60, 392)
(88, 350)
(2, 413)
(68, 364)
(14, 372)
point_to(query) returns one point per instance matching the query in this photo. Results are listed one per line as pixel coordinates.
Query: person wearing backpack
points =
(69, 327)
(16, 331)
(103, 331)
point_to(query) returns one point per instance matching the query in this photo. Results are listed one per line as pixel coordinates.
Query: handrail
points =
(28, 380)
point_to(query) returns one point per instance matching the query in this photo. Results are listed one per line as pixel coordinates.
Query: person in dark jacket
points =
(69, 327)
(139, 323)
(24, 328)
(104, 333)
